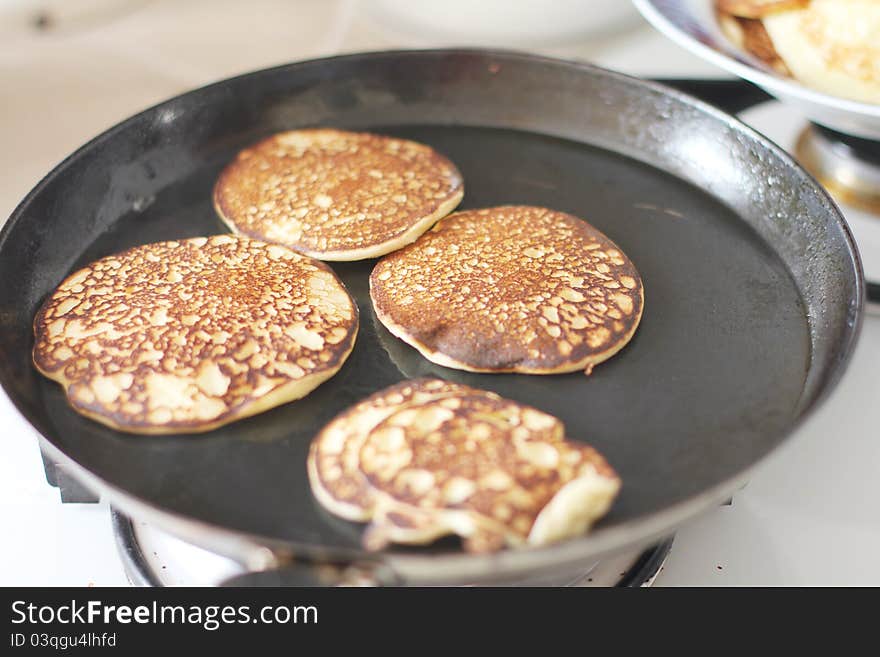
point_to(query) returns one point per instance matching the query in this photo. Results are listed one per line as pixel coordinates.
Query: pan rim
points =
(260, 552)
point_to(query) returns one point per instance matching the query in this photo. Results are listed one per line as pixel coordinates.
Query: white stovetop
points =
(808, 516)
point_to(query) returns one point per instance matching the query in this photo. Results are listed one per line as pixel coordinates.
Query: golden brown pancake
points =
(427, 458)
(185, 336)
(337, 195)
(510, 289)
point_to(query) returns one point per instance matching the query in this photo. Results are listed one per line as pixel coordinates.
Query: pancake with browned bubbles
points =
(427, 458)
(510, 289)
(337, 195)
(333, 462)
(186, 336)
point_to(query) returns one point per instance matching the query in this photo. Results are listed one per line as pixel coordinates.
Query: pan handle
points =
(264, 566)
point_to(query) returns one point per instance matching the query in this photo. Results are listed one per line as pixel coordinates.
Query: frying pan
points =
(753, 287)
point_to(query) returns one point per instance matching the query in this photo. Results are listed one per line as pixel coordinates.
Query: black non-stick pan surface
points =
(752, 284)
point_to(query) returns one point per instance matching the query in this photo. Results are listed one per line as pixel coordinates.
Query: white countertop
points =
(808, 516)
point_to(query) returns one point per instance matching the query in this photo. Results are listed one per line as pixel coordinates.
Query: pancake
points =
(337, 195)
(186, 336)
(832, 46)
(510, 289)
(428, 459)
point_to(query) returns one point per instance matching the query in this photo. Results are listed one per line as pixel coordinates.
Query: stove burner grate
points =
(848, 167)
(631, 569)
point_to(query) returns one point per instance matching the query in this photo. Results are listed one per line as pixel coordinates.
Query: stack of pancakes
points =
(830, 45)
(427, 458)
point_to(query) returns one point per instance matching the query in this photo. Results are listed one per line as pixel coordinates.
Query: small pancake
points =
(510, 289)
(427, 458)
(337, 195)
(832, 46)
(186, 336)
(757, 8)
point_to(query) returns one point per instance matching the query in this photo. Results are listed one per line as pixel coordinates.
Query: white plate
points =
(692, 24)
